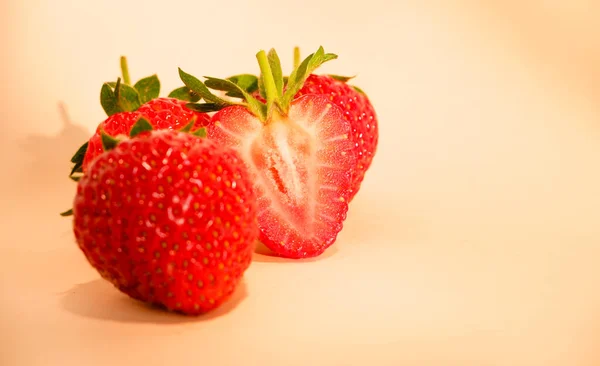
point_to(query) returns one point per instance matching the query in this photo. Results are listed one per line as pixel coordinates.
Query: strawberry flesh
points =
(357, 110)
(302, 166)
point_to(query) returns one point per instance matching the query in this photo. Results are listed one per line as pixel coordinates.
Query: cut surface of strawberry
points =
(298, 152)
(302, 166)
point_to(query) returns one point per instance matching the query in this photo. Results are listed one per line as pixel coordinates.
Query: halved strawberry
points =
(298, 153)
(354, 102)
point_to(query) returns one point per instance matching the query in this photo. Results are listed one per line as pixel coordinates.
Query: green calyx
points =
(276, 89)
(123, 96)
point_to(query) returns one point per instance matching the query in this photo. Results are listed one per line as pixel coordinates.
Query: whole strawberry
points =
(357, 110)
(298, 152)
(125, 103)
(162, 113)
(168, 218)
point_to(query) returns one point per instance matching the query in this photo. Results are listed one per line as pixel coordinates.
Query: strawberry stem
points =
(296, 57)
(125, 71)
(268, 81)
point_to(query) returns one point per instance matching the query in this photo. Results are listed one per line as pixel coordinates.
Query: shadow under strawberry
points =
(98, 299)
(262, 254)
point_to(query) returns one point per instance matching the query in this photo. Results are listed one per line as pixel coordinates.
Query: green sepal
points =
(141, 125)
(205, 107)
(128, 99)
(275, 64)
(80, 154)
(201, 132)
(108, 142)
(118, 97)
(108, 100)
(188, 127)
(184, 93)
(148, 88)
(199, 88)
(75, 178)
(78, 157)
(299, 75)
(359, 89)
(69, 212)
(261, 88)
(77, 168)
(256, 107)
(343, 79)
(248, 82)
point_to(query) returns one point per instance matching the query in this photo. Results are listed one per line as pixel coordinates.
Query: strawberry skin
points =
(162, 113)
(302, 165)
(169, 219)
(358, 111)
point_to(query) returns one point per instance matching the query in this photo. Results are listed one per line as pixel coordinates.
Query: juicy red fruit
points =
(169, 219)
(358, 111)
(302, 165)
(162, 113)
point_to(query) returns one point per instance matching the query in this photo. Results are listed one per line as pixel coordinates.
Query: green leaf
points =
(329, 57)
(188, 127)
(69, 212)
(148, 88)
(256, 107)
(247, 82)
(117, 89)
(77, 168)
(299, 75)
(359, 89)
(141, 125)
(201, 132)
(205, 107)
(343, 79)
(199, 88)
(275, 64)
(128, 98)
(77, 159)
(108, 100)
(80, 154)
(108, 142)
(75, 178)
(184, 93)
(220, 84)
(261, 88)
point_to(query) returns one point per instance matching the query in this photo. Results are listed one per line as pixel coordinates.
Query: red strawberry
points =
(358, 110)
(125, 104)
(355, 104)
(162, 113)
(169, 219)
(298, 153)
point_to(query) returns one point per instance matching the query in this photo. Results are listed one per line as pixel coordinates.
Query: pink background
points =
(474, 240)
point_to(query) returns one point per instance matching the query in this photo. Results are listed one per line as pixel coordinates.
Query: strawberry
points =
(125, 104)
(297, 151)
(168, 218)
(162, 113)
(358, 110)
